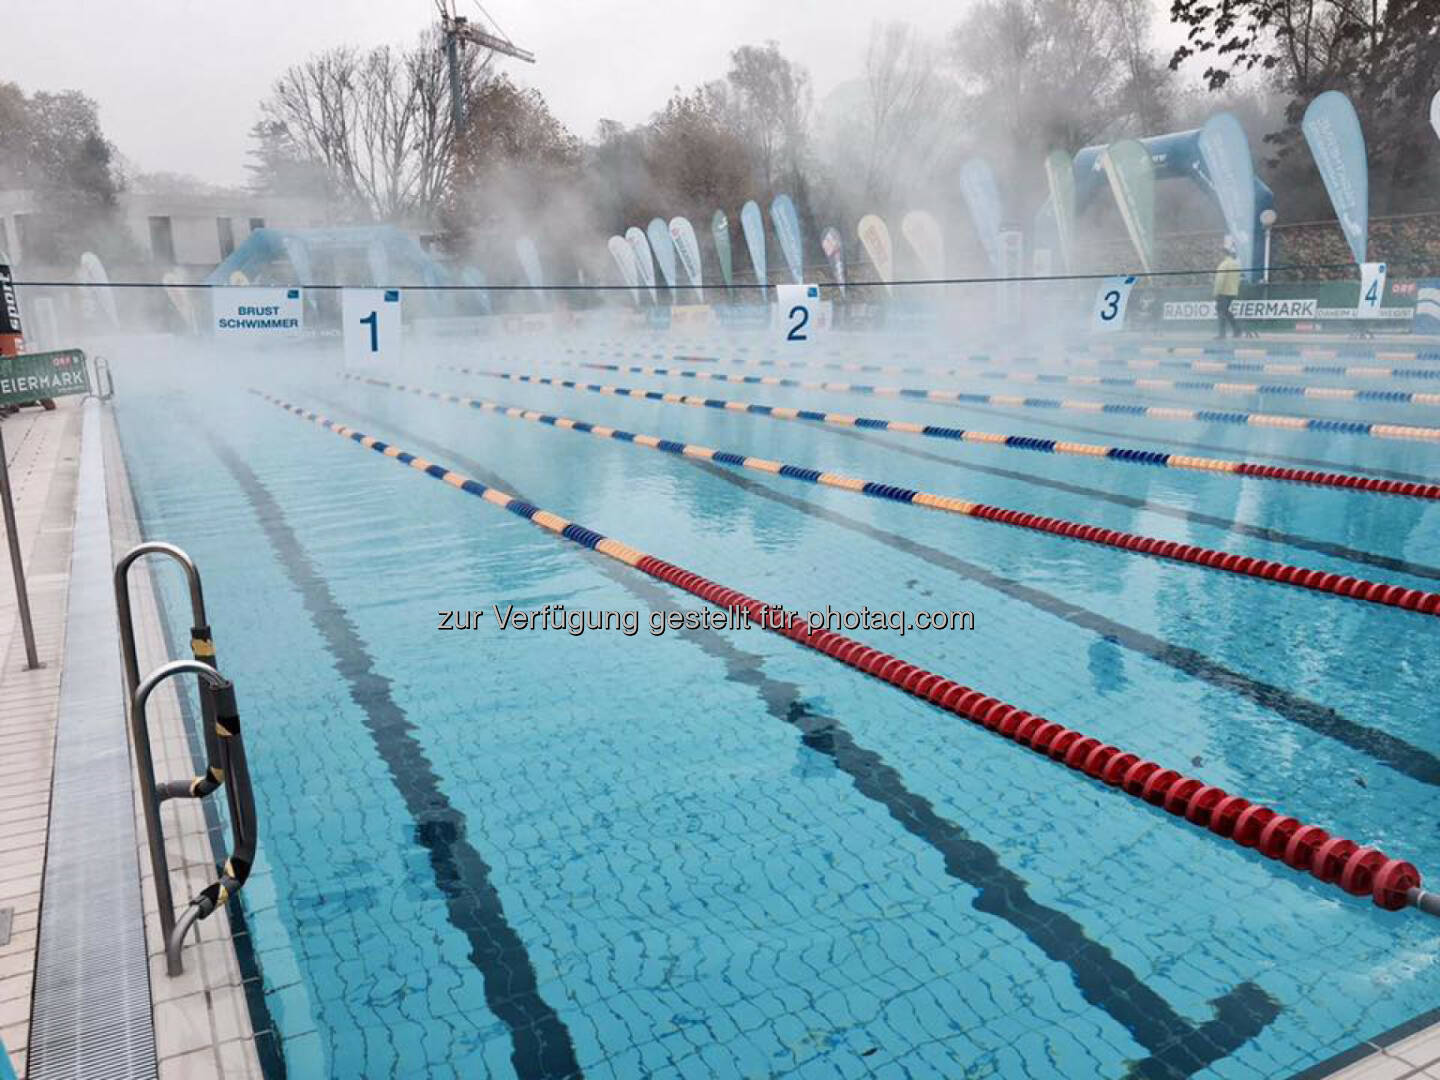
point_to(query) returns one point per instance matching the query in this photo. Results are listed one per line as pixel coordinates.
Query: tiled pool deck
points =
(202, 1026)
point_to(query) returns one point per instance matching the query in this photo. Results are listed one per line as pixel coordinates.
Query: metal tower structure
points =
(459, 30)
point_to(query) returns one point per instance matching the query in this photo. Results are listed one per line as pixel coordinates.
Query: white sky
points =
(178, 81)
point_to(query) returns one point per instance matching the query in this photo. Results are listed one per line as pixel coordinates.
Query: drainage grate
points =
(91, 1016)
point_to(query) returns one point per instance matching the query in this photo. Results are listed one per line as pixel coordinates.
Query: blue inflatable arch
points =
(1176, 157)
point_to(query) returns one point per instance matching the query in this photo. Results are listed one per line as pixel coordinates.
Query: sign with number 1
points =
(373, 331)
(802, 314)
(1110, 303)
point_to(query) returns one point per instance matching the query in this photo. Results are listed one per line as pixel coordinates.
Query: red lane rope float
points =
(1375, 592)
(1361, 871)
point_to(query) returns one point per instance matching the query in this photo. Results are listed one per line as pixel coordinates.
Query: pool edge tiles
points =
(211, 996)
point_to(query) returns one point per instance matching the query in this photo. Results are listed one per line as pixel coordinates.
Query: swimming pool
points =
(535, 853)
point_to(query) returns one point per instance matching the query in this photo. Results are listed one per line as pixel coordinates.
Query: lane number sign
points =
(1110, 301)
(802, 314)
(1372, 287)
(373, 331)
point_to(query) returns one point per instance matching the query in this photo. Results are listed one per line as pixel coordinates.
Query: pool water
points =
(714, 853)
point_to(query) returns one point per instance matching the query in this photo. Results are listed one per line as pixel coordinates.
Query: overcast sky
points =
(178, 82)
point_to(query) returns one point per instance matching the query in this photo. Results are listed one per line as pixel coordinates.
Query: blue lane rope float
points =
(961, 397)
(983, 365)
(977, 360)
(1254, 352)
(1126, 455)
(1392, 884)
(1226, 561)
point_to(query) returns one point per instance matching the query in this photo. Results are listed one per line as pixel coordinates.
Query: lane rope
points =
(1148, 412)
(1281, 573)
(1349, 481)
(1391, 883)
(986, 366)
(1305, 352)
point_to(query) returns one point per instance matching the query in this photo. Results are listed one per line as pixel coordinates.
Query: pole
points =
(457, 101)
(13, 536)
(1266, 278)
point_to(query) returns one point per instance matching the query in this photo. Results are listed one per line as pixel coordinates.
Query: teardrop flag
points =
(682, 235)
(787, 230)
(922, 232)
(720, 234)
(753, 226)
(658, 233)
(644, 262)
(875, 238)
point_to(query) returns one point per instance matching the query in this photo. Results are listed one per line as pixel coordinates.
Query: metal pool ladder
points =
(224, 751)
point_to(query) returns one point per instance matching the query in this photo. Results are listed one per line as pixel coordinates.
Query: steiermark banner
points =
(37, 376)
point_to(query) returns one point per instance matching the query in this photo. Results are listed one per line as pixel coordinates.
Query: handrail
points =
(202, 648)
(106, 390)
(226, 763)
(221, 693)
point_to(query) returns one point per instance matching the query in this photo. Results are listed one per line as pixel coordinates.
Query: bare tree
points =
(379, 122)
(770, 101)
(911, 109)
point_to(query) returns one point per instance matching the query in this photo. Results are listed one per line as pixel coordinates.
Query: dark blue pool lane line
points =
(1177, 1048)
(541, 1046)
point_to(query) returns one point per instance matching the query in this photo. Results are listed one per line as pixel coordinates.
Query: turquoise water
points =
(524, 852)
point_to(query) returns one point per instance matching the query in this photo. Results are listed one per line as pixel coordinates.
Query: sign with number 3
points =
(1110, 303)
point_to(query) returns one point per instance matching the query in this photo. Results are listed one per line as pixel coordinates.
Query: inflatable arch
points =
(1175, 156)
(366, 255)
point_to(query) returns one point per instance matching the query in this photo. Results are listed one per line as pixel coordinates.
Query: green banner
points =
(1132, 179)
(38, 376)
(1285, 306)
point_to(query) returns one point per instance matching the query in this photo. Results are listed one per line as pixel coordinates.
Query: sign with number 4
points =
(1110, 303)
(373, 330)
(803, 314)
(1372, 288)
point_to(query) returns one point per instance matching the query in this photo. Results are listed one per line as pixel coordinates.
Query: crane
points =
(457, 29)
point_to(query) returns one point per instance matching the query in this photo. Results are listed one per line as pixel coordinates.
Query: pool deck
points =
(202, 1026)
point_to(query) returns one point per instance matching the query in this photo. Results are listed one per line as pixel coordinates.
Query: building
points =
(190, 232)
